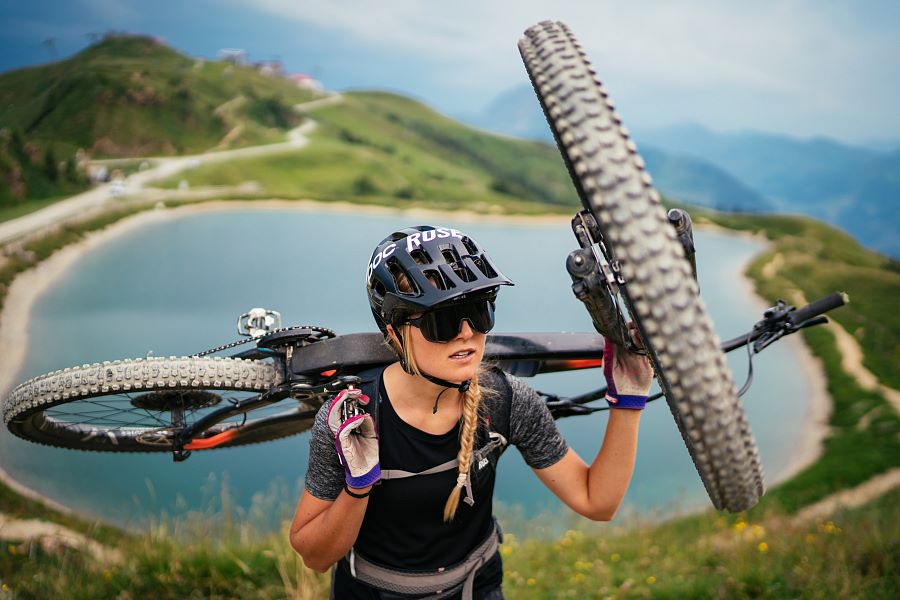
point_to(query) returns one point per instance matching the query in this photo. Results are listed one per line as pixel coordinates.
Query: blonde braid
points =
(471, 404)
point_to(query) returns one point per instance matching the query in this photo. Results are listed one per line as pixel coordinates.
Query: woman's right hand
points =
(355, 439)
(628, 377)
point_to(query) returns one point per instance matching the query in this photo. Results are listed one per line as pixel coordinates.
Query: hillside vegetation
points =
(382, 148)
(134, 96)
(129, 96)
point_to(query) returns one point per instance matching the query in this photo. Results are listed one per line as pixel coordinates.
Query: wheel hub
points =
(167, 401)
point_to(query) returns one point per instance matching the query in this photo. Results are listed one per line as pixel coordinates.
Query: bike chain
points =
(328, 333)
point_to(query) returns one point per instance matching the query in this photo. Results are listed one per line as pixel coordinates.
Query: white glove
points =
(355, 438)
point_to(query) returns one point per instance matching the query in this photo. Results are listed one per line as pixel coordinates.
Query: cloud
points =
(816, 57)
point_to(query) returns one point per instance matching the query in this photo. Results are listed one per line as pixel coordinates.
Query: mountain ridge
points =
(853, 187)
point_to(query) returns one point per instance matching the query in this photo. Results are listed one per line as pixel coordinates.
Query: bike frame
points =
(312, 371)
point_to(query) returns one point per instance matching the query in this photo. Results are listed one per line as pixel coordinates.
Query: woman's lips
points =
(462, 355)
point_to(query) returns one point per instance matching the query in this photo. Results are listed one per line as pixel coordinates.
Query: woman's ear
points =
(392, 335)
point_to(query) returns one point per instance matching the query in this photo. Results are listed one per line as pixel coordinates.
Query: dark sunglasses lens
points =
(443, 324)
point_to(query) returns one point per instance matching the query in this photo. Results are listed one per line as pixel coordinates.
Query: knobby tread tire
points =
(661, 293)
(23, 409)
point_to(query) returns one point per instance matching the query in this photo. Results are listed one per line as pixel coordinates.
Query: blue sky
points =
(797, 66)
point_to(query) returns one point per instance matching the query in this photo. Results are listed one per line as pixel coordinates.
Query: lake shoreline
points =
(29, 285)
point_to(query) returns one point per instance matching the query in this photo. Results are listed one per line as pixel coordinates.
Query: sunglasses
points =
(443, 324)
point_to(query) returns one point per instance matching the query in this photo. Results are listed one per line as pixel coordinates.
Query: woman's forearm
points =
(610, 473)
(321, 540)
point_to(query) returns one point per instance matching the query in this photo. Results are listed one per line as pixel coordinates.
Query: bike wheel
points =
(139, 405)
(660, 292)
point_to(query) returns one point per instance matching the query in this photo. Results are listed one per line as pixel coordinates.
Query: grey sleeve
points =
(532, 428)
(325, 475)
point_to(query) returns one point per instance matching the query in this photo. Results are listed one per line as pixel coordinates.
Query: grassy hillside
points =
(31, 173)
(383, 148)
(818, 259)
(851, 554)
(134, 96)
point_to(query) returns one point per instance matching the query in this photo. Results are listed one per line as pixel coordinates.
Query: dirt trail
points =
(163, 167)
(52, 537)
(852, 363)
(853, 497)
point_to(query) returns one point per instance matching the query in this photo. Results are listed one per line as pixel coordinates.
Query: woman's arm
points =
(595, 492)
(323, 531)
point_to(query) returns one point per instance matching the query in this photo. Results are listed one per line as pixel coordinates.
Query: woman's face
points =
(456, 360)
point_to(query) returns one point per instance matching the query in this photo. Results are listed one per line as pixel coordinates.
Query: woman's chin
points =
(459, 373)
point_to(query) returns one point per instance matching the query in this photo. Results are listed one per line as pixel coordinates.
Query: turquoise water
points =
(177, 287)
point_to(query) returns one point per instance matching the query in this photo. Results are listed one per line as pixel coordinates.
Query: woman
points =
(429, 428)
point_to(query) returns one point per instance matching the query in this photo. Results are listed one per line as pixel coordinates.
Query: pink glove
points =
(355, 438)
(628, 377)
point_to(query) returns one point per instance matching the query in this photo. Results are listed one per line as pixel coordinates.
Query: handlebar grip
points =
(818, 307)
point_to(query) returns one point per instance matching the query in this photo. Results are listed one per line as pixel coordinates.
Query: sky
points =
(799, 67)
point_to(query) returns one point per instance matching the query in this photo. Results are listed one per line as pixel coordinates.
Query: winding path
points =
(852, 363)
(162, 168)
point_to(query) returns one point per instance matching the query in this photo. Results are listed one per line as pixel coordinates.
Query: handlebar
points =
(778, 321)
(818, 307)
(783, 319)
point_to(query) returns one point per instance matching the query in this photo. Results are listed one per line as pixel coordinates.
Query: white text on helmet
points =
(415, 240)
(380, 256)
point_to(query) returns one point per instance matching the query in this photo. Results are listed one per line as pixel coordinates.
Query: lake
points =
(176, 287)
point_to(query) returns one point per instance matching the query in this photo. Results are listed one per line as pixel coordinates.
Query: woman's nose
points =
(465, 330)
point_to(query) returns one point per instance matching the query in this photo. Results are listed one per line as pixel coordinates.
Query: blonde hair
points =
(471, 408)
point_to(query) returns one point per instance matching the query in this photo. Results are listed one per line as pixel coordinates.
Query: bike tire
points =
(660, 292)
(127, 405)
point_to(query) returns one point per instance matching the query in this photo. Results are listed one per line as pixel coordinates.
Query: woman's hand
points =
(628, 377)
(355, 438)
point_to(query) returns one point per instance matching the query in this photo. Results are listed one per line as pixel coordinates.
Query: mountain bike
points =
(634, 265)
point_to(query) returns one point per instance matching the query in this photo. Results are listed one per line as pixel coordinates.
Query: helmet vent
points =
(484, 266)
(470, 245)
(420, 256)
(405, 283)
(438, 279)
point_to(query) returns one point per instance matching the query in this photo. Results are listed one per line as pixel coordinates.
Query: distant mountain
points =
(700, 183)
(857, 189)
(854, 188)
(517, 112)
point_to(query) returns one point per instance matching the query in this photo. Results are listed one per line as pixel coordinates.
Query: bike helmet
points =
(438, 265)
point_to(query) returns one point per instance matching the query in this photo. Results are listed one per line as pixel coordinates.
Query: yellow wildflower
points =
(740, 526)
(810, 538)
(12, 549)
(531, 581)
(651, 580)
(107, 575)
(505, 551)
(763, 547)
(615, 557)
(5, 587)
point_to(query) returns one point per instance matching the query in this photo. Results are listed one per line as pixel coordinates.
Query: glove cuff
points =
(365, 480)
(627, 402)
